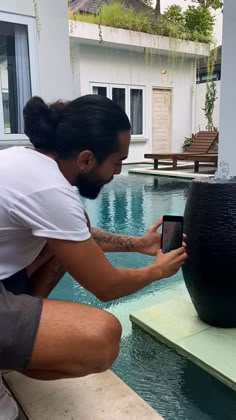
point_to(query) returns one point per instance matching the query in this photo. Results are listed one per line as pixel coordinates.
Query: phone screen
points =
(172, 234)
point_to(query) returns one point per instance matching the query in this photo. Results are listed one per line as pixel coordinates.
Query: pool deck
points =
(175, 323)
(95, 397)
(183, 171)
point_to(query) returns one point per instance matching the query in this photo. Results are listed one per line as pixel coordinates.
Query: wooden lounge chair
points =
(199, 151)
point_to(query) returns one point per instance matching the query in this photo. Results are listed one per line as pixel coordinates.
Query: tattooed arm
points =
(110, 242)
(147, 244)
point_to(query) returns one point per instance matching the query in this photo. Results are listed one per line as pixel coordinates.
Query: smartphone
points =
(172, 233)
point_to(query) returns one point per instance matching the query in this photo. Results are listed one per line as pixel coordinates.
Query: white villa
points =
(153, 78)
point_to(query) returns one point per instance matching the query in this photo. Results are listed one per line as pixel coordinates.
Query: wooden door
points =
(161, 120)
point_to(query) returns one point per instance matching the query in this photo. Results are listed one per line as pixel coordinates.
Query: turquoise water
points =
(168, 382)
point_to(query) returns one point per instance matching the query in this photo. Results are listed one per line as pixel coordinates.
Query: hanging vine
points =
(72, 25)
(211, 97)
(37, 19)
(211, 92)
(99, 7)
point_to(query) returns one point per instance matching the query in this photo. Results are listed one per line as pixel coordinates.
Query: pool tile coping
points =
(88, 398)
(175, 323)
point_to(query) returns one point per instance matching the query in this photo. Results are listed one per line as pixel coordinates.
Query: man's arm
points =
(87, 264)
(111, 242)
(148, 244)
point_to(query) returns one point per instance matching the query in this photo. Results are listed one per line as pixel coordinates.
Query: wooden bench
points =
(199, 151)
(175, 157)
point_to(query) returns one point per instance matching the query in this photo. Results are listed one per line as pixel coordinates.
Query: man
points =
(44, 232)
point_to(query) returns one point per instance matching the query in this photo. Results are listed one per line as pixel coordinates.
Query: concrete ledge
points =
(175, 322)
(89, 33)
(168, 173)
(95, 397)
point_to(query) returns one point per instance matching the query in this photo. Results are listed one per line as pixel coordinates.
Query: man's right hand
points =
(168, 264)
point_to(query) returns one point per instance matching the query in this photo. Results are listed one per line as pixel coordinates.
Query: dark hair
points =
(90, 122)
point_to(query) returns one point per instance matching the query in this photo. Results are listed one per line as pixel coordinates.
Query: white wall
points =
(54, 50)
(25, 7)
(227, 145)
(117, 66)
(201, 122)
(52, 44)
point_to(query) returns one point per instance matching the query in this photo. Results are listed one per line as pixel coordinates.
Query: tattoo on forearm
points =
(56, 273)
(110, 242)
(46, 278)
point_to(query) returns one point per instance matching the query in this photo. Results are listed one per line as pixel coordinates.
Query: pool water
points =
(173, 386)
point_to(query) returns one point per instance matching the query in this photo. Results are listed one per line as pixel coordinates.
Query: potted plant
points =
(188, 142)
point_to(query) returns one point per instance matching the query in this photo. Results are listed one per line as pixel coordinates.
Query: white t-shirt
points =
(36, 202)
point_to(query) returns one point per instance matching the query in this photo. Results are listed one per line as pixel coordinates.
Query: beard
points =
(89, 187)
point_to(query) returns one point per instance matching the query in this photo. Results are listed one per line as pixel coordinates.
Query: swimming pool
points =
(168, 382)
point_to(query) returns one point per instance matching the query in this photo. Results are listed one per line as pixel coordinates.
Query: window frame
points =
(128, 88)
(133, 87)
(103, 85)
(29, 22)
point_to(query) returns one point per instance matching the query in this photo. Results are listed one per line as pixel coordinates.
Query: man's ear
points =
(86, 161)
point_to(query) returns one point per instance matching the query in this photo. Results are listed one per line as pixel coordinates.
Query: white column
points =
(227, 144)
(54, 50)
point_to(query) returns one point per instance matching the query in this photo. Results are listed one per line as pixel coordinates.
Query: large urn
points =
(210, 272)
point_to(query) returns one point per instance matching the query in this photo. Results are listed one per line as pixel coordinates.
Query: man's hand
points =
(169, 263)
(150, 242)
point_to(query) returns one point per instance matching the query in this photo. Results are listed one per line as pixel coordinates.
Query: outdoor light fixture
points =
(163, 71)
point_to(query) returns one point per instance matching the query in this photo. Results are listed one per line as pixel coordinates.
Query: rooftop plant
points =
(196, 23)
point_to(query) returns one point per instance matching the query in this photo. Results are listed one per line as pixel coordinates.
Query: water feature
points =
(222, 172)
(172, 385)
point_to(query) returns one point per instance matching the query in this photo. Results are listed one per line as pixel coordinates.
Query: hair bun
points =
(41, 123)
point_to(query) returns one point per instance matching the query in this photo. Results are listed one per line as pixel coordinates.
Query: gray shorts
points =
(19, 320)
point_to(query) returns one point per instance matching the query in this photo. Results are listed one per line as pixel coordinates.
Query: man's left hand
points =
(150, 242)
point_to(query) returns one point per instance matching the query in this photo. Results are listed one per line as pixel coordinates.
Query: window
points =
(136, 111)
(204, 78)
(118, 96)
(100, 90)
(17, 64)
(131, 99)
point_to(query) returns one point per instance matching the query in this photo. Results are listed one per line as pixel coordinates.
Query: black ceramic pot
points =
(210, 272)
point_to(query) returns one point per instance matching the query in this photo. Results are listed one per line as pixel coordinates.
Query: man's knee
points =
(103, 345)
(86, 340)
(109, 342)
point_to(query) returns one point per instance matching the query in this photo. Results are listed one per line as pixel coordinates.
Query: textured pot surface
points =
(210, 272)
